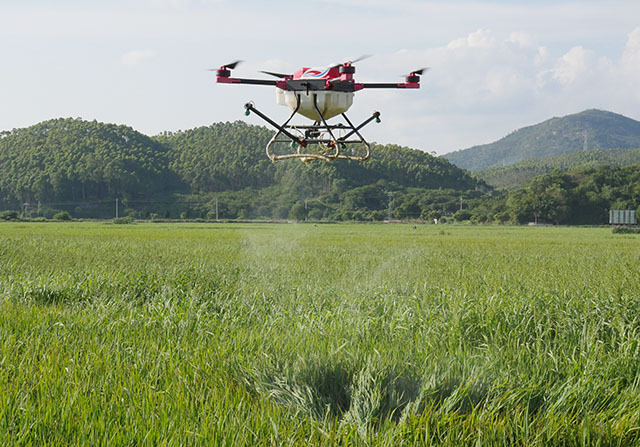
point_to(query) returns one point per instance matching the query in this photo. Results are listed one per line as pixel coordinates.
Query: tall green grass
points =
(318, 335)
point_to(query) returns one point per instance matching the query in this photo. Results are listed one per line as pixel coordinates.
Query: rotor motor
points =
(347, 69)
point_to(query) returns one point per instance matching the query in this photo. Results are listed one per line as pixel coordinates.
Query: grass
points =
(172, 334)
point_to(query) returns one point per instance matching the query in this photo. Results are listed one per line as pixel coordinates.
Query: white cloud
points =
(175, 4)
(542, 56)
(136, 57)
(574, 64)
(481, 38)
(630, 63)
(522, 39)
(491, 83)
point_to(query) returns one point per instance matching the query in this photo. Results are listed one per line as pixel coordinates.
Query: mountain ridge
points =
(86, 162)
(586, 130)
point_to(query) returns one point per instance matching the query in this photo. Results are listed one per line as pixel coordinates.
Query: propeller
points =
(358, 59)
(230, 66)
(277, 75)
(418, 72)
(363, 57)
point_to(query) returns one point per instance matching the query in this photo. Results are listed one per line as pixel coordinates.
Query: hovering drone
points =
(318, 94)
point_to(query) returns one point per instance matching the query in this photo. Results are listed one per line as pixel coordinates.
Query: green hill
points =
(227, 160)
(517, 174)
(588, 130)
(230, 156)
(83, 166)
(75, 160)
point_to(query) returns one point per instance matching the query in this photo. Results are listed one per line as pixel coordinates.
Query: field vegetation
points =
(203, 334)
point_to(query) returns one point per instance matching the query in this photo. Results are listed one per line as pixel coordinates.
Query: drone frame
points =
(337, 78)
(312, 136)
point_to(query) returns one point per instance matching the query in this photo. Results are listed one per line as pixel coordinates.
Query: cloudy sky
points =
(495, 65)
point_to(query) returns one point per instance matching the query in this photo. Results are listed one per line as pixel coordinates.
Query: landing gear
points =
(318, 141)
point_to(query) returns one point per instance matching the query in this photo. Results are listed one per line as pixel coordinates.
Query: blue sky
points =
(495, 65)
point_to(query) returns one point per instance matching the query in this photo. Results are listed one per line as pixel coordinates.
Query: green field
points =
(173, 334)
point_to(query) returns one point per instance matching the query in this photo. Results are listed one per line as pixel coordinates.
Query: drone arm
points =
(387, 85)
(229, 80)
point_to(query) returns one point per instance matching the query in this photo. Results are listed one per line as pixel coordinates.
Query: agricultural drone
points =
(318, 94)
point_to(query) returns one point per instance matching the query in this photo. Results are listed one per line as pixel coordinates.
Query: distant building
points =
(622, 217)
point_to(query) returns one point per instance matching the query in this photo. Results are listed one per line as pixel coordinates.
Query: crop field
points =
(207, 334)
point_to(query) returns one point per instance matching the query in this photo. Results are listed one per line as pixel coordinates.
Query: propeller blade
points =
(232, 65)
(277, 75)
(363, 57)
(358, 59)
(419, 71)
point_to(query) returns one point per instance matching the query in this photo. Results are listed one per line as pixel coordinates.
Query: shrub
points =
(124, 220)
(625, 230)
(9, 215)
(62, 215)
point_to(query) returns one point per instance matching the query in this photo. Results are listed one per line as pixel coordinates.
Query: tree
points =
(462, 215)
(298, 211)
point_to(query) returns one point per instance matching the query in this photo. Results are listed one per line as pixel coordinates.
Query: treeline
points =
(578, 197)
(90, 169)
(582, 196)
(517, 174)
(82, 167)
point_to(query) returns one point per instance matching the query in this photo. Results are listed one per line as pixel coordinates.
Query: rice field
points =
(232, 335)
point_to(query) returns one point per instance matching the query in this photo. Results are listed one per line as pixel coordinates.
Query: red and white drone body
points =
(318, 94)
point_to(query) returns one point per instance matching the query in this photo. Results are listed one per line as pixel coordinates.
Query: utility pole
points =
(390, 194)
(116, 207)
(460, 203)
(38, 207)
(216, 209)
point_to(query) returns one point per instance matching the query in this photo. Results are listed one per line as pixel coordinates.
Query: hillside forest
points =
(586, 131)
(220, 172)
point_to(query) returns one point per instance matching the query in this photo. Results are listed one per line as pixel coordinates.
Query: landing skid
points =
(330, 141)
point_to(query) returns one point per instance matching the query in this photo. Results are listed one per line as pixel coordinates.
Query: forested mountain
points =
(220, 157)
(230, 156)
(226, 163)
(517, 174)
(588, 130)
(73, 160)
(83, 166)
(222, 171)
